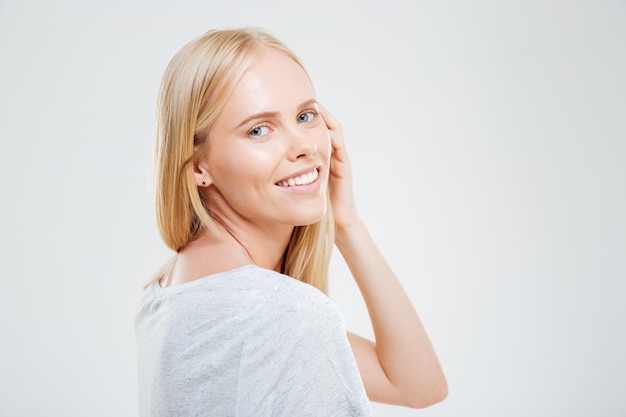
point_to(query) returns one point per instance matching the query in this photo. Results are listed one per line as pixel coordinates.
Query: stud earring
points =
(203, 182)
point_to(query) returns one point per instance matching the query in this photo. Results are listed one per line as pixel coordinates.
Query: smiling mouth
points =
(303, 179)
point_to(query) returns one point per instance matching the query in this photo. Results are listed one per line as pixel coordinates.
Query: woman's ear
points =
(201, 173)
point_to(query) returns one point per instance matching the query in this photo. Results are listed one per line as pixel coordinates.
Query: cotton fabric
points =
(247, 342)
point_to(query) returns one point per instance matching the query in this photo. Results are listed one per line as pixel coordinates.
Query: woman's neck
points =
(264, 246)
(229, 246)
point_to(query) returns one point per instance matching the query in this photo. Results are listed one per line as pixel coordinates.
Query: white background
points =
(488, 140)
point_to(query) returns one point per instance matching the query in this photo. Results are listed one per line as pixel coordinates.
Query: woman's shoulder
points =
(293, 302)
(248, 297)
(282, 293)
(246, 286)
(269, 293)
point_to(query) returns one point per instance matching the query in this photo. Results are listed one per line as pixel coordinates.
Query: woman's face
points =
(269, 148)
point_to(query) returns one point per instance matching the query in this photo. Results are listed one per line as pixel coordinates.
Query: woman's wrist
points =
(351, 231)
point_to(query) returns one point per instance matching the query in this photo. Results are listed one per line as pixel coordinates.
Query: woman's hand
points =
(340, 177)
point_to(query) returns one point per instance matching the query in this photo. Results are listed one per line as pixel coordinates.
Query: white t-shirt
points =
(247, 342)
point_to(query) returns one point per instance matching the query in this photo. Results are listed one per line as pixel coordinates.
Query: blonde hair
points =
(198, 81)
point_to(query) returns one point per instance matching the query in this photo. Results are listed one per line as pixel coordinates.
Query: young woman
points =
(253, 190)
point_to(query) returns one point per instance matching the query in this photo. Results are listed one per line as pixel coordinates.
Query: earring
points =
(203, 182)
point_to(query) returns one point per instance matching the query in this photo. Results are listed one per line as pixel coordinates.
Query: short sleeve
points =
(297, 361)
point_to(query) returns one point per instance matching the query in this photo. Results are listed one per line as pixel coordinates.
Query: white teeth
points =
(303, 179)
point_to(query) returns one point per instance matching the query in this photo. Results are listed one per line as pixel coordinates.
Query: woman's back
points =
(245, 342)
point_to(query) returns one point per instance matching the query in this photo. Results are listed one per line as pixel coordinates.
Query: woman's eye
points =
(306, 117)
(258, 131)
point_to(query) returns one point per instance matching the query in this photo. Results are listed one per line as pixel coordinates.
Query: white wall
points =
(488, 141)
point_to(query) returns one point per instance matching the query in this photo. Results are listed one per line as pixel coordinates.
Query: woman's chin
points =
(312, 218)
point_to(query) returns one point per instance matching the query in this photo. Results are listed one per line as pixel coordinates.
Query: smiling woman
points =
(253, 189)
(282, 138)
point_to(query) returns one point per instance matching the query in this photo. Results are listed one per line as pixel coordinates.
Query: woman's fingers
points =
(336, 134)
(340, 179)
(329, 119)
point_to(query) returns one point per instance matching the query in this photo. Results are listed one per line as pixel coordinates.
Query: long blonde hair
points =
(198, 81)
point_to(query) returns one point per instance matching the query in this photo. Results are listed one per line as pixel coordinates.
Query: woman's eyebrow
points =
(308, 103)
(265, 114)
(270, 114)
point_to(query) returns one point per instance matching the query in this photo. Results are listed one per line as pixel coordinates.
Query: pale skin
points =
(271, 129)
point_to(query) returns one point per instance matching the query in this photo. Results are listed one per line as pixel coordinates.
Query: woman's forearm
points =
(402, 348)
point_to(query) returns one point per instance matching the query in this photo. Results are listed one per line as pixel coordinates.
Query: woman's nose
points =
(301, 145)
